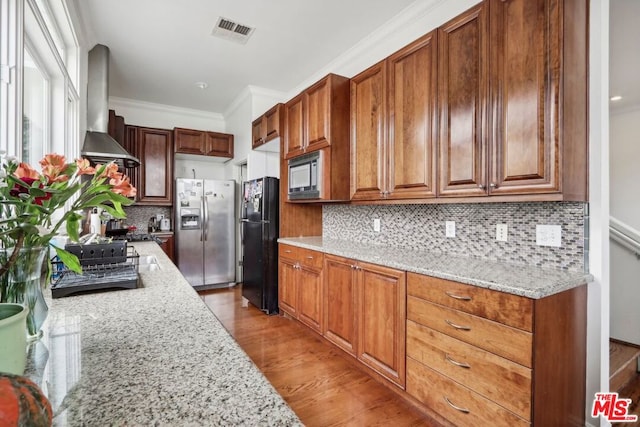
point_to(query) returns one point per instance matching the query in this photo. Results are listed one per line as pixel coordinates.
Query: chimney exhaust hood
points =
(99, 146)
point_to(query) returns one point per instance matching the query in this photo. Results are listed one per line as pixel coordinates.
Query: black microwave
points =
(305, 176)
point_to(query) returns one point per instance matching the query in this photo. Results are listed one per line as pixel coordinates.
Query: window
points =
(38, 97)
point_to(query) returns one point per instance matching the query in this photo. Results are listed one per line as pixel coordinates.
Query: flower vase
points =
(23, 284)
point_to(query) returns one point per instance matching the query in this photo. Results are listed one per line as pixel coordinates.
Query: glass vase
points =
(23, 284)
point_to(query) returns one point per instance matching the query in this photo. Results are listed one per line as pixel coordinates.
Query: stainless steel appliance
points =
(204, 232)
(259, 221)
(305, 174)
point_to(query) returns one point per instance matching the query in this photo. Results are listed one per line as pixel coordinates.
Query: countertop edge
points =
(558, 281)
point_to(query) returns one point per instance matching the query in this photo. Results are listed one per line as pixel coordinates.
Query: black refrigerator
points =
(259, 224)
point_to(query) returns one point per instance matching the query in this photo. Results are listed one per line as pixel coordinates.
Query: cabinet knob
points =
(481, 186)
(455, 362)
(457, 408)
(458, 297)
(458, 327)
(493, 185)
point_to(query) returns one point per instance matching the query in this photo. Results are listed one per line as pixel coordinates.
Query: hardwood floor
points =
(320, 383)
(624, 376)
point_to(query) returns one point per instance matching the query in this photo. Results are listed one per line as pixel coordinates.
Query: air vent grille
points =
(232, 31)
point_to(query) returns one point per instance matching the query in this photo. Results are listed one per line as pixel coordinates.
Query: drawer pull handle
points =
(287, 251)
(309, 257)
(455, 362)
(460, 297)
(457, 408)
(453, 325)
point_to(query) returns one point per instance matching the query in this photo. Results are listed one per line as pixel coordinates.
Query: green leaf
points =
(72, 228)
(69, 260)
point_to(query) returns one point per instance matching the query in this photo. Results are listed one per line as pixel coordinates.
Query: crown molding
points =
(163, 108)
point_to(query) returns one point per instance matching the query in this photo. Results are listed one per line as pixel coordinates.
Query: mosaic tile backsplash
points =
(422, 227)
(139, 215)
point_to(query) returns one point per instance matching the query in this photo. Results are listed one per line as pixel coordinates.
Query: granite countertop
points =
(154, 355)
(531, 282)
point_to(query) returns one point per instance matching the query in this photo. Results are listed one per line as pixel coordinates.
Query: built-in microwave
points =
(305, 176)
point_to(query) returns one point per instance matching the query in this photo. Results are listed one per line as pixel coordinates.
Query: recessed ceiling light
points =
(202, 85)
(615, 98)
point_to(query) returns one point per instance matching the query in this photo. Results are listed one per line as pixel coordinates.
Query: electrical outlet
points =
(501, 232)
(450, 228)
(376, 225)
(549, 235)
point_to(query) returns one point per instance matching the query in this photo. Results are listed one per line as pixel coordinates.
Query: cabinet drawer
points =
(512, 310)
(503, 340)
(310, 258)
(494, 377)
(288, 251)
(441, 393)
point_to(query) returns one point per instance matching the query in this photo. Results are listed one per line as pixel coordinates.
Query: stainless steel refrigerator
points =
(259, 228)
(205, 232)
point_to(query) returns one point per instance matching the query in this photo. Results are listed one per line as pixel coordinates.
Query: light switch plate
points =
(450, 228)
(549, 235)
(376, 224)
(501, 232)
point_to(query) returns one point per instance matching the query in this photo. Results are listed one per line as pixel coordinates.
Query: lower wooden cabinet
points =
(482, 357)
(167, 244)
(300, 287)
(365, 314)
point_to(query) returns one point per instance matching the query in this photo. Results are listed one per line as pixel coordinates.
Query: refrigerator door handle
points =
(206, 217)
(244, 220)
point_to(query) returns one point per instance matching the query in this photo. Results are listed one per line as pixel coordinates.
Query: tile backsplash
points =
(422, 227)
(139, 215)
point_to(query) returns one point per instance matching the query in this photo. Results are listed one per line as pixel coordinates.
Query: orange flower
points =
(26, 171)
(121, 185)
(53, 166)
(84, 168)
(111, 171)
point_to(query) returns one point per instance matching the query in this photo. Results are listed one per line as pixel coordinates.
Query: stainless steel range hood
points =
(98, 146)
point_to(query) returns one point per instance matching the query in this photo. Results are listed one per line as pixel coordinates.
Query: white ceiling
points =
(161, 48)
(624, 60)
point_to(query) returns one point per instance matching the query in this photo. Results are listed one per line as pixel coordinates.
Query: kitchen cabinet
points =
(167, 244)
(365, 314)
(300, 285)
(318, 120)
(116, 127)
(154, 148)
(393, 125)
(477, 356)
(462, 81)
(130, 138)
(512, 100)
(318, 117)
(268, 126)
(203, 143)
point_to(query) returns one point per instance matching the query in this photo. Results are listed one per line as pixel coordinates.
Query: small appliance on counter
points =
(165, 224)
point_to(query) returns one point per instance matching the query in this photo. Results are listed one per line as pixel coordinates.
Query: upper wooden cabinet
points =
(203, 143)
(513, 99)
(393, 124)
(318, 117)
(462, 81)
(154, 148)
(268, 126)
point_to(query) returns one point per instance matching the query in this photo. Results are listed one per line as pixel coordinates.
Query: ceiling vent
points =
(229, 30)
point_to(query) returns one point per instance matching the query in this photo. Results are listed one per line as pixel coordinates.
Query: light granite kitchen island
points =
(154, 355)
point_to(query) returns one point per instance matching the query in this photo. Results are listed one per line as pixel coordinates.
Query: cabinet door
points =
(368, 133)
(167, 245)
(381, 320)
(273, 123)
(189, 141)
(412, 119)
(156, 166)
(339, 303)
(525, 75)
(309, 285)
(317, 114)
(219, 144)
(294, 127)
(257, 132)
(462, 79)
(287, 288)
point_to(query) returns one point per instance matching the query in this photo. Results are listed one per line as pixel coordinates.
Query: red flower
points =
(20, 189)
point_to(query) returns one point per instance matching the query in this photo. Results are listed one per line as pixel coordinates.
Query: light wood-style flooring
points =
(323, 386)
(624, 376)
